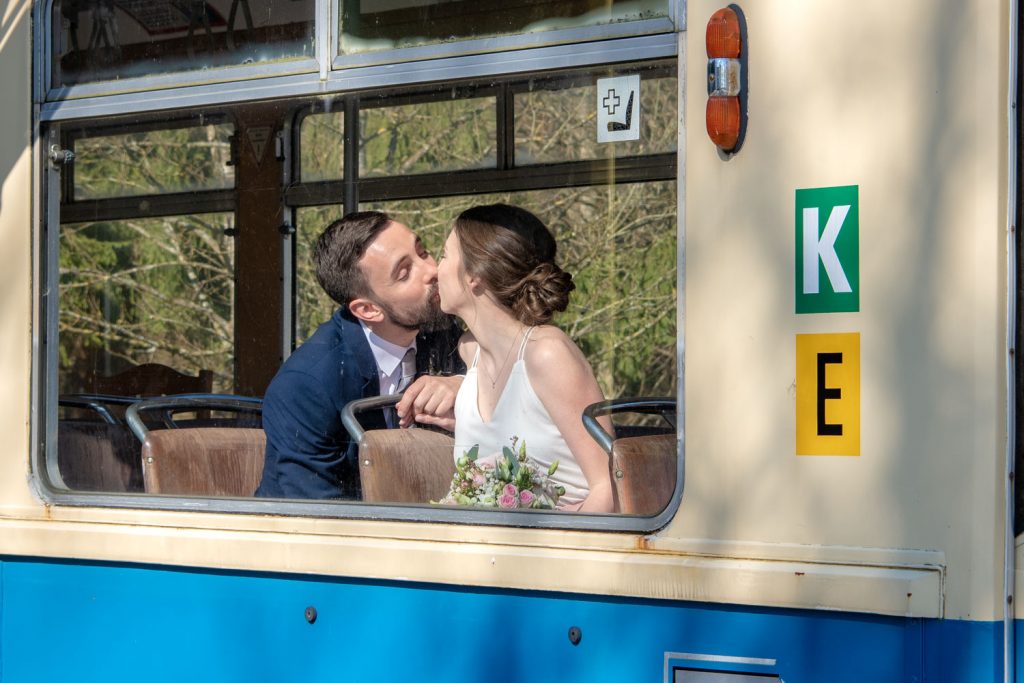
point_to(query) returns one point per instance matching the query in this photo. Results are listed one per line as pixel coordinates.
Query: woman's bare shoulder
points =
(558, 369)
(550, 348)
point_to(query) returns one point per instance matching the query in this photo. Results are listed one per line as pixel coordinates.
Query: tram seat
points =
(154, 379)
(405, 465)
(643, 473)
(203, 461)
(194, 460)
(399, 465)
(98, 456)
(95, 449)
(642, 465)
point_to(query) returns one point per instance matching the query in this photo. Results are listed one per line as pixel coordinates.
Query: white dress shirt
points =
(389, 360)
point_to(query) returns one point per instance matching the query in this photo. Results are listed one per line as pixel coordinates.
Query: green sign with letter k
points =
(827, 250)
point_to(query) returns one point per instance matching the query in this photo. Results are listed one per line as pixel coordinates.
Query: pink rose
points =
(507, 500)
(479, 479)
(526, 497)
(510, 490)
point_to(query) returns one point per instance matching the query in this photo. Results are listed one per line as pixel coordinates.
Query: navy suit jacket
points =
(309, 453)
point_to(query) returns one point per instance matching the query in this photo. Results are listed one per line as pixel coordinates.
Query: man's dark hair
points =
(338, 250)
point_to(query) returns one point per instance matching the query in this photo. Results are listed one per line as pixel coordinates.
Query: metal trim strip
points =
(389, 75)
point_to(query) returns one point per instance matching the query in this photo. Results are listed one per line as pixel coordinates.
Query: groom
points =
(378, 271)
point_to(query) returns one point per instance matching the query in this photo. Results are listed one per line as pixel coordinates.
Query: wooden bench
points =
(98, 456)
(399, 465)
(212, 461)
(154, 379)
(643, 467)
(405, 465)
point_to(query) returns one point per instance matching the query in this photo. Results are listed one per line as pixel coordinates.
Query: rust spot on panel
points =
(799, 573)
(643, 543)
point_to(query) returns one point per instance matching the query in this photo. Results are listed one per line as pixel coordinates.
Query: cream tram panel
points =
(838, 96)
(15, 246)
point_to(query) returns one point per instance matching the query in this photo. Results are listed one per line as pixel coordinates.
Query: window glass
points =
(428, 137)
(322, 146)
(153, 162)
(619, 244)
(105, 40)
(370, 25)
(157, 290)
(312, 305)
(186, 273)
(555, 124)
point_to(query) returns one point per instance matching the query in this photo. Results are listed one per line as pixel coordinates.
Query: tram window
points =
(322, 146)
(147, 162)
(554, 123)
(106, 40)
(174, 230)
(428, 137)
(156, 290)
(386, 24)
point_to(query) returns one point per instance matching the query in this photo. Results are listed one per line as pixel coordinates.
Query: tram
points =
(793, 232)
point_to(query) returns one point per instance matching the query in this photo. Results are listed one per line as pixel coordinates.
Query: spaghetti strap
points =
(526, 338)
(476, 357)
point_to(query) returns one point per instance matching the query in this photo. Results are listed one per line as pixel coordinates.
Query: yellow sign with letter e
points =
(828, 394)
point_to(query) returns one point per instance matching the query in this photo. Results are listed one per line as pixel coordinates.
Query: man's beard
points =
(427, 317)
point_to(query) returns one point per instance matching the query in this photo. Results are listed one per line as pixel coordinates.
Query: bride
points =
(526, 380)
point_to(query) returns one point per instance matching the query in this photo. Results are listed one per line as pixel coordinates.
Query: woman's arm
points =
(565, 384)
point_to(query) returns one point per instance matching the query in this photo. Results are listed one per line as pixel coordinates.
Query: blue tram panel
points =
(101, 622)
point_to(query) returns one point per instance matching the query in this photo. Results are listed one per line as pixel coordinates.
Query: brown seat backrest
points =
(153, 379)
(644, 473)
(405, 465)
(96, 456)
(212, 461)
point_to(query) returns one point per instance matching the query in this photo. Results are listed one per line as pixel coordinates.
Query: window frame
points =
(590, 172)
(506, 176)
(328, 65)
(155, 205)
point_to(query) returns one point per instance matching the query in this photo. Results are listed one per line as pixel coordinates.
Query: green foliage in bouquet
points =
(508, 481)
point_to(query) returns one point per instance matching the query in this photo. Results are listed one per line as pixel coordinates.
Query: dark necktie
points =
(408, 374)
(408, 370)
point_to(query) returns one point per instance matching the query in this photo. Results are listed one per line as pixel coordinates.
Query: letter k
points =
(823, 249)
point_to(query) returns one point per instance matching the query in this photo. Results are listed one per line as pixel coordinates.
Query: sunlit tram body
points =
(829, 308)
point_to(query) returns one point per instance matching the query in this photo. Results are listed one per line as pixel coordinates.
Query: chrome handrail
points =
(348, 413)
(97, 403)
(652, 405)
(183, 402)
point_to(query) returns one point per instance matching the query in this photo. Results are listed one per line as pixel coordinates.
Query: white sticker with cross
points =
(618, 108)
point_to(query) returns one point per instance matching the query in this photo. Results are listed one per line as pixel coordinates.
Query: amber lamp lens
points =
(723, 34)
(723, 121)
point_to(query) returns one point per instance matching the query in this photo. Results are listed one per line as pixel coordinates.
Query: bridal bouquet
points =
(510, 480)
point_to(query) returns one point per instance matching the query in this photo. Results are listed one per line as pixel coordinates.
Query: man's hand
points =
(430, 400)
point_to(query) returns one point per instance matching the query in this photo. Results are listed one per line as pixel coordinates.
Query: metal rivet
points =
(575, 635)
(311, 614)
(618, 474)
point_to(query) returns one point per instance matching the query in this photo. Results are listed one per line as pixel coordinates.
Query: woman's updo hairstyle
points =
(513, 254)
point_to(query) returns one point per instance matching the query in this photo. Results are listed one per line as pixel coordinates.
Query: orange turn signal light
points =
(727, 98)
(723, 34)
(723, 121)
